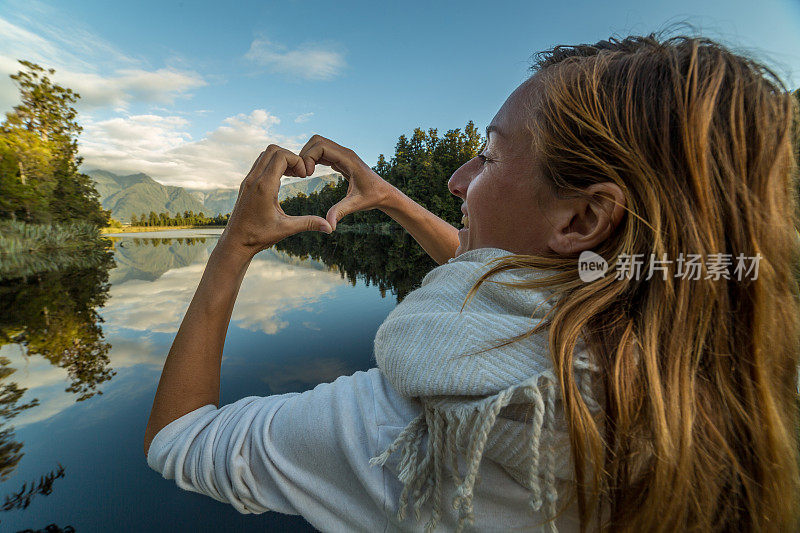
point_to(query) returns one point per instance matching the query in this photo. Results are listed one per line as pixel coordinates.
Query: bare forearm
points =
(437, 237)
(191, 374)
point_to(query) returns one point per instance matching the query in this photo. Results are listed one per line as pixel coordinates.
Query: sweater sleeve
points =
(297, 453)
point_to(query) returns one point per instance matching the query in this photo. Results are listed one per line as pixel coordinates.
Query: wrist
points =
(233, 251)
(391, 198)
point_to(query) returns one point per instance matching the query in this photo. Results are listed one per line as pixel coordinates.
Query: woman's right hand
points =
(366, 190)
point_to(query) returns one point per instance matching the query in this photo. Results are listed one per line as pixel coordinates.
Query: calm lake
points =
(83, 347)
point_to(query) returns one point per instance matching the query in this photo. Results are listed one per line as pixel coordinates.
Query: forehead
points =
(510, 122)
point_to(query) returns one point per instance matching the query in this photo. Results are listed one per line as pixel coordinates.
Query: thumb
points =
(344, 207)
(297, 224)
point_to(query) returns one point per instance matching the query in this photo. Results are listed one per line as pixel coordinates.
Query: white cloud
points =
(159, 306)
(44, 381)
(112, 83)
(159, 146)
(47, 382)
(305, 117)
(308, 61)
(130, 85)
(92, 67)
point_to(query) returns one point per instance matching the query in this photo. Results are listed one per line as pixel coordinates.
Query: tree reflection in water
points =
(52, 313)
(391, 259)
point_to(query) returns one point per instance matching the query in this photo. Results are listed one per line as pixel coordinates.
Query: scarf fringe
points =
(422, 479)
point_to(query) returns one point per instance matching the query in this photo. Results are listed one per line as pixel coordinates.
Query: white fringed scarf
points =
(488, 404)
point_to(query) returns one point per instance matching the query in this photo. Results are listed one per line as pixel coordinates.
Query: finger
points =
(253, 169)
(326, 152)
(279, 164)
(310, 165)
(260, 165)
(296, 224)
(296, 166)
(314, 139)
(310, 162)
(347, 205)
(255, 163)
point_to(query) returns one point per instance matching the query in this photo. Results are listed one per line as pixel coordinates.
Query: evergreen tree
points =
(421, 167)
(39, 155)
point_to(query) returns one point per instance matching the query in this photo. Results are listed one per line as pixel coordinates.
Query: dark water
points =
(81, 351)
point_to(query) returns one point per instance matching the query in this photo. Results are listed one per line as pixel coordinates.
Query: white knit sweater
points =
(482, 395)
(310, 454)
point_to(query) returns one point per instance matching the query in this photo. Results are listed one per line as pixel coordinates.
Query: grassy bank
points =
(26, 249)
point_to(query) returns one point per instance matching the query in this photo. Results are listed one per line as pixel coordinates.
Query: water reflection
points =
(147, 259)
(306, 313)
(391, 260)
(48, 309)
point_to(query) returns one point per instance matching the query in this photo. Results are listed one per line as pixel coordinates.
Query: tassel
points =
(423, 479)
(549, 475)
(410, 471)
(535, 438)
(403, 437)
(486, 418)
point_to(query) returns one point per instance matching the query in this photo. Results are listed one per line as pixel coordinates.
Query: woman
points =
(509, 392)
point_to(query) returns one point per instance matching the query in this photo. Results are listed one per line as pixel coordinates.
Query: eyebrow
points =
(490, 128)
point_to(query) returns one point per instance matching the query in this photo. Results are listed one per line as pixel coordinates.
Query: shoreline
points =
(145, 229)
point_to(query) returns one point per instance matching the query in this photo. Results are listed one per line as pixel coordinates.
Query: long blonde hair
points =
(700, 422)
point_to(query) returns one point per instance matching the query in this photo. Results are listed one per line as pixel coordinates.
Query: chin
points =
(463, 235)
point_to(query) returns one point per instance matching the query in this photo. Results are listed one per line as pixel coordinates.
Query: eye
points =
(483, 158)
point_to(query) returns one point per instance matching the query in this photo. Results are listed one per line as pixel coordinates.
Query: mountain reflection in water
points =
(82, 347)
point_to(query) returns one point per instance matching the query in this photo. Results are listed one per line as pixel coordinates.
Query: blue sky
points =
(191, 92)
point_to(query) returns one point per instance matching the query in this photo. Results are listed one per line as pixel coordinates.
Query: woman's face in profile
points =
(502, 194)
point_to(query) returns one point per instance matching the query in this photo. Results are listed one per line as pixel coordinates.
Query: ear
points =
(584, 222)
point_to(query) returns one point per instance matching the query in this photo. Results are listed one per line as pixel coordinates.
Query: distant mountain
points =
(215, 200)
(223, 200)
(306, 185)
(107, 183)
(139, 193)
(135, 194)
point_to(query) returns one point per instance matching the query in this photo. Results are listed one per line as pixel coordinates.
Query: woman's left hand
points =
(257, 221)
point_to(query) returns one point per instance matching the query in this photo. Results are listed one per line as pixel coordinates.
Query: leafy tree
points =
(46, 108)
(39, 155)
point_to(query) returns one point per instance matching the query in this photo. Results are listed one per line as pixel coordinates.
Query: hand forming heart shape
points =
(258, 222)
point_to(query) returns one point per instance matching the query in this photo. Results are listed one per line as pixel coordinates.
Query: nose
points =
(459, 181)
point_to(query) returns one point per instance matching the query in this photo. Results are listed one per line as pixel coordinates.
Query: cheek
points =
(484, 201)
(520, 209)
(502, 201)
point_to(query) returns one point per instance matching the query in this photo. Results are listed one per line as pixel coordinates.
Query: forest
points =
(187, 218)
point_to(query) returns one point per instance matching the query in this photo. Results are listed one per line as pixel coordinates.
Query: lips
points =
(465, 220)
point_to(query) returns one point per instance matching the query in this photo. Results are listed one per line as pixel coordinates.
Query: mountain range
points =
(135, 194)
